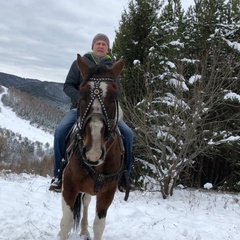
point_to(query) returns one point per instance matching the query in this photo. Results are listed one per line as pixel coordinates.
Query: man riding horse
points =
(99, 55)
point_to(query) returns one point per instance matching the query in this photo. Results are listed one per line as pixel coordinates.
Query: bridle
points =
(96, 93)
(111, 124)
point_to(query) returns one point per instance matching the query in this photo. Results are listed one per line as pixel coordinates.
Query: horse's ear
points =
(82, 65)
(117, 68)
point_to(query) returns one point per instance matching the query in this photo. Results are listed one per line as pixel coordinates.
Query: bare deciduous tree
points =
(175, 126)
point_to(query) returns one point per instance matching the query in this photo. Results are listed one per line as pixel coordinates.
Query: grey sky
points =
(40, 38)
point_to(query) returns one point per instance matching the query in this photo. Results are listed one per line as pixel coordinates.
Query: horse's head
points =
(98, 108)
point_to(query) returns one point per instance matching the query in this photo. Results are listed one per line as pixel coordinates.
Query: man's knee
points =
(129, 133)
(58, 132)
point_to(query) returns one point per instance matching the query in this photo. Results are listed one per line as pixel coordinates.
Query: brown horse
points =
(95, 151)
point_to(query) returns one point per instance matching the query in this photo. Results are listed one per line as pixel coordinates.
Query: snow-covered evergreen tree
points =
(189, 73)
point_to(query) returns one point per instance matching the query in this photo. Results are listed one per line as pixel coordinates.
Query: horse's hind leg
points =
(84, 223)
(66, 221)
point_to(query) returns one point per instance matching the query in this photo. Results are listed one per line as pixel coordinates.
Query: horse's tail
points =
(77, 212)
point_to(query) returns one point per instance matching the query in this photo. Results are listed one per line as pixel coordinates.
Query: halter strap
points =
(101, 79)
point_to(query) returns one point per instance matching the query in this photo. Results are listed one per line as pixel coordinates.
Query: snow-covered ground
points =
(29, 211)
(9, 120)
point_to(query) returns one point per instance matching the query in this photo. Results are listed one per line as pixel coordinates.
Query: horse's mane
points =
(97, 70)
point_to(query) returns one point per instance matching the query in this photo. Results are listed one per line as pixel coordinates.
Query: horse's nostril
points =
(103, 154)
(91, 163)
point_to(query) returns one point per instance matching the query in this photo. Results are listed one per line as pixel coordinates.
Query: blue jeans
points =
(60, 136)
(127, 136)
(65, 126)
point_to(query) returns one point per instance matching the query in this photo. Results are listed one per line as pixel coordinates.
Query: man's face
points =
(100, 48)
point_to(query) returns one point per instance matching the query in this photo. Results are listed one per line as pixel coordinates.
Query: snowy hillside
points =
(10, 121)
(29, 211)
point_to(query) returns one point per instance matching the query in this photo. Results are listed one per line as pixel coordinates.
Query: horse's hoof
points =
(85, 237)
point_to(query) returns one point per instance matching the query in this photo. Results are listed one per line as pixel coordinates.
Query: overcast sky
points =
(40, 38)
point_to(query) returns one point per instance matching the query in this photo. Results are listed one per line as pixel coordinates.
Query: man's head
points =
(100, 45)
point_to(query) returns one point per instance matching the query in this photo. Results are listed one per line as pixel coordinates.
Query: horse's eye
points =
(113, 97)
(84, 95)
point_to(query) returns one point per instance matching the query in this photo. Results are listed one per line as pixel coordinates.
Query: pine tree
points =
(133, 43)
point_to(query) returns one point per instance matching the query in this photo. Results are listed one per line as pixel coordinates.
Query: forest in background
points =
(182, 91)
(19, 153)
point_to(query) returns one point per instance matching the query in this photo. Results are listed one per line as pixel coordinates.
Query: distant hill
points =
(50, 92)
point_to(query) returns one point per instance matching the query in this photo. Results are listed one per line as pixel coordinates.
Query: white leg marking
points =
(66, 222)
(84, 222)
(98, 227)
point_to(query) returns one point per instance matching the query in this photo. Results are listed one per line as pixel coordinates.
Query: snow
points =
(234, 45)
(208, 185)
(232, 96)
(194, 78)
(170, 64)
(9, 120)
(176, 43)
(227, 139)
(136, 62)
(189, 60)
(178, 84)
(29, 211)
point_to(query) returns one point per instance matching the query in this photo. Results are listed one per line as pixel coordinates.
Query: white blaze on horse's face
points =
(96, 152)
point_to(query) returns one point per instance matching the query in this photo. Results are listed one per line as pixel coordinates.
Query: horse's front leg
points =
(103, 202)
(84, 223)
(66, 221)
(69, 196)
